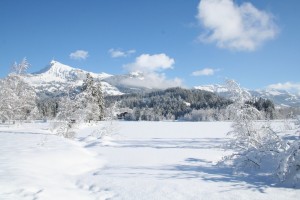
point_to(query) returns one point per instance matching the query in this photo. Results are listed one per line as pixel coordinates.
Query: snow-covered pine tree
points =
(87, 84)
(68, 107)
(91, 99)
(98, 99)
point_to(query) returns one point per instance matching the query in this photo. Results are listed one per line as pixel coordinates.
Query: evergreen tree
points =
(99, 100)
(91, 99)
(87, 84)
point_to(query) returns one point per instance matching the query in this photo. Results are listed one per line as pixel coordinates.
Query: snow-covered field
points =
(144, 160)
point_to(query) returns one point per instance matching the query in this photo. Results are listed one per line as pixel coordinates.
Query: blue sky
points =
(185, 42)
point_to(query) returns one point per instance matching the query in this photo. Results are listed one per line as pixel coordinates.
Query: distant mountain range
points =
(57, 78)
(281, 98)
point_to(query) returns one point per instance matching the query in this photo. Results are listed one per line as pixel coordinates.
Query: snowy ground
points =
(145, 160)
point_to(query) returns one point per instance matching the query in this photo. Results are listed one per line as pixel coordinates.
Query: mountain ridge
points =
(57, 78)
(281, 98)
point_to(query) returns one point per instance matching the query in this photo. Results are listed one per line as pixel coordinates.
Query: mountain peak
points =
(58, 72)
(52, 62)
(54, 66)
(57, 66)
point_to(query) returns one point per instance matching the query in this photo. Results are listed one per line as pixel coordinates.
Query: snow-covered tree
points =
(98, 100)
(88, 105)
(289, 162)
(18, 99)
(289, 165)
(253, 141)
(20, 68)
(69, 108)
(91, 99)
(237, 94)
(257, 145)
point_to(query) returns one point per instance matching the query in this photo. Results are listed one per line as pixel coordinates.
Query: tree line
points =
(181, 104)
(19, 101)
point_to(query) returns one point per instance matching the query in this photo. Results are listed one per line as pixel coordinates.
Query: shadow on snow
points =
(169, 143)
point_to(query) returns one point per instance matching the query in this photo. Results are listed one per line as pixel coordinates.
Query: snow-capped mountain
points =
(57, 78)
(220, 89)
(59, 72)
(279, 97)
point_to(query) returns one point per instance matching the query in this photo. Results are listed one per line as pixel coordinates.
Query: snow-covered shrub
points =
(288, 124)
(252, 141)
(289, 165)
(257, 145)
(108, 129)
(62, 128)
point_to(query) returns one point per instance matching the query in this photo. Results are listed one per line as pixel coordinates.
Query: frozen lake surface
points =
(141, 160)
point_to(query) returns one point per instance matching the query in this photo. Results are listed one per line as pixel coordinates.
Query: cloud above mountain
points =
(205, 72)
(152, 67)
(289, 86)
(117, 53)
(235, 27)
(151, 63)
(79, 55)
(153, 81)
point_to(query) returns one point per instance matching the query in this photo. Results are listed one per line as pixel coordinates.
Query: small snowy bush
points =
(63, 129)
(289, 166)
(257, 145)
(255, 142)
(108, 129)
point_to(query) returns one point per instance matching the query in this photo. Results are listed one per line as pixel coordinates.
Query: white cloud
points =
(237, 27)
(205, 72)
(153, 80)
(79, 55)
(151, 63)
(116, 53)
(151, 67)
(292, 87)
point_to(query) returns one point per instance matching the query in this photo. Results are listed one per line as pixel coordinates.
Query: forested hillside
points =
(173, 103)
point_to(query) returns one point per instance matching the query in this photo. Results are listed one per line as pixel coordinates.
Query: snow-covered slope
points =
(213, 88)
(57, 78)
(279, 97)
